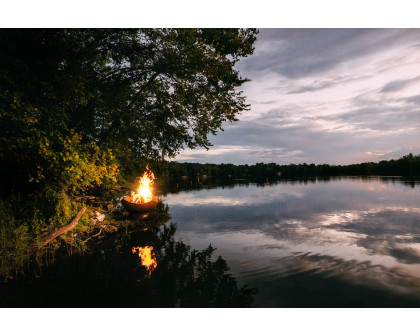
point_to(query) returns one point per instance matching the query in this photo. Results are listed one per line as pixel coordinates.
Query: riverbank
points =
(34, 237)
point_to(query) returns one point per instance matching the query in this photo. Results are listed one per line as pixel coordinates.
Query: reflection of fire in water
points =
(147, 259)
(144, 193)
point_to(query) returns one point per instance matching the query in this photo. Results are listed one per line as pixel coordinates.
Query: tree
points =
(144, 93)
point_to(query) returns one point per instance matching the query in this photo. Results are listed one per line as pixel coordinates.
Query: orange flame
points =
(148, 259)
(144, 193)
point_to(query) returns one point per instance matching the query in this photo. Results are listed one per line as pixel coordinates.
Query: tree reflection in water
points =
(112, 276)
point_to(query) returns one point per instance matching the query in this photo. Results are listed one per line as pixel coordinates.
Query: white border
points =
(343, 322)
(214, 13)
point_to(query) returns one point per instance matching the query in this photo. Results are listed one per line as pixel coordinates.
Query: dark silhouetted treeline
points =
(408, 165)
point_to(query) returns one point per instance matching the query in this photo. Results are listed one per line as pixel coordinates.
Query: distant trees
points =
(408, 165)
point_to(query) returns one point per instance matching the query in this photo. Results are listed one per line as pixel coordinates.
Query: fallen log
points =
(61, 230)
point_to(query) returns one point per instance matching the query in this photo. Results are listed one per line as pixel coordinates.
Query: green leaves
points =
(69, 95)
(36, 159)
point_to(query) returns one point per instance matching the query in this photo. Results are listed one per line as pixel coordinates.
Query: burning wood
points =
(142, 199)
(144, 193)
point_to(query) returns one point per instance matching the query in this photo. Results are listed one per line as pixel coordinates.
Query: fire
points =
(144, 193)
(148, 260)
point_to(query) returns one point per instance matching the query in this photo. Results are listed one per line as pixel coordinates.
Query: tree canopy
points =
(76, 103)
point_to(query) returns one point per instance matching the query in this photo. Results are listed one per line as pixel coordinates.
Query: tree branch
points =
(60, 231)
(117, 120)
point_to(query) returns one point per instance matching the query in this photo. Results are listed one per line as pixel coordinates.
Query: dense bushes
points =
(42, 169)
(35, 158)
(26, 218)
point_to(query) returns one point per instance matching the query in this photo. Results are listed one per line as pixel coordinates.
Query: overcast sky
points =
(335, 96)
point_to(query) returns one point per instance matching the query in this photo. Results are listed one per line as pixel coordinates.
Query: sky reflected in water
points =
(346, 242)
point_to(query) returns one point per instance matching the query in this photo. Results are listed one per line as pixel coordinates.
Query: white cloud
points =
(336, 96)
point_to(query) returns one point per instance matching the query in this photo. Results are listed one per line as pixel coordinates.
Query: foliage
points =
(80, 106)
(23, 226)
(408, 165)
(53, 159)
(146, 93)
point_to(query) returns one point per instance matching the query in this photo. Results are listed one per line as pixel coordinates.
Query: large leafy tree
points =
(73, 94)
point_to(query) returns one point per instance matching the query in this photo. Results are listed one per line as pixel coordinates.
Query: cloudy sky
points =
(335, 96)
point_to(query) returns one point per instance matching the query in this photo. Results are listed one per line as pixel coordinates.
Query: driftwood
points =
(62, 230)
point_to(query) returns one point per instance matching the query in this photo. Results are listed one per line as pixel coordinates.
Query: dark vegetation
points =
(408, 166)
(112, 276)
(83, 109)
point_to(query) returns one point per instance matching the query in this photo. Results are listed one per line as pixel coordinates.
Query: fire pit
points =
(128, 204)
(142, 200)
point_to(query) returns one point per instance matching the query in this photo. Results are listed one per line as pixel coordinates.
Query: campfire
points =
(144, 193)
(141, 200)
(148, 259)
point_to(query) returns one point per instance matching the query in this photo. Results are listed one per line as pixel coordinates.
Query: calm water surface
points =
(337, 243)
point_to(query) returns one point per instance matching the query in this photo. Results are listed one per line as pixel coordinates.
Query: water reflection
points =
(343, 242)
(351, 241)
(211, 183)
(112, 276)
(146, 256)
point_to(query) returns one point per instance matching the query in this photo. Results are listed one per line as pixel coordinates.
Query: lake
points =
(332, 242)
(344, 242)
